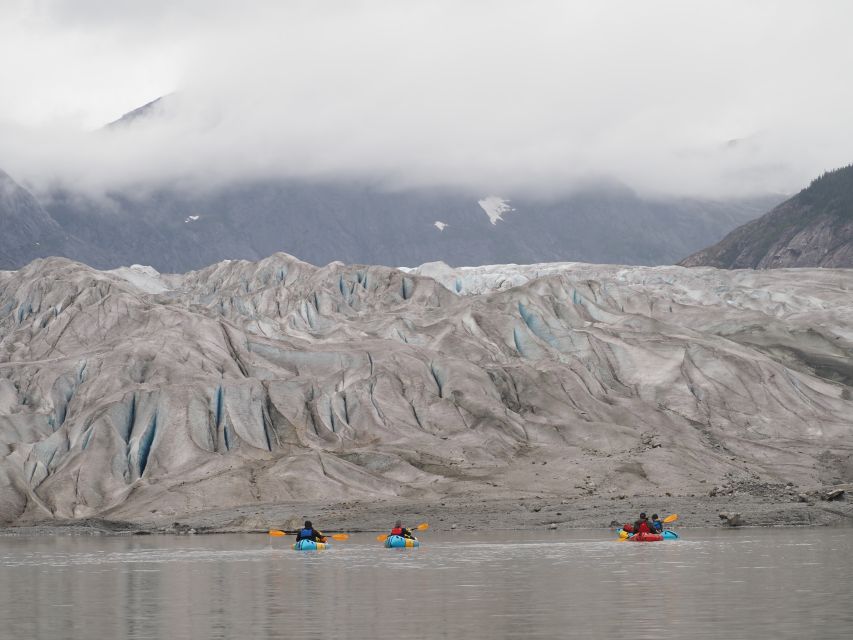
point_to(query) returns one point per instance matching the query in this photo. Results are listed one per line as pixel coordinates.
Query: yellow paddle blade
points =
(276, 533)
(623, 535)
(422, 527)
(671, 518)
(381, 537)
(340, 536)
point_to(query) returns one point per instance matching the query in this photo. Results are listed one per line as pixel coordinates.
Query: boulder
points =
(731, 519)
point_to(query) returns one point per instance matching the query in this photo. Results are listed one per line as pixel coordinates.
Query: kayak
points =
(309, 545)
(399, 542)
(668, 534)
(646, 537)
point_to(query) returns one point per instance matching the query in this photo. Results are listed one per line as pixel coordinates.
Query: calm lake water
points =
(791, 583)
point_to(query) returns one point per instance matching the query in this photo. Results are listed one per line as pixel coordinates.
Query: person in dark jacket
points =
(400, 530)
(643, 525)
(308, 532)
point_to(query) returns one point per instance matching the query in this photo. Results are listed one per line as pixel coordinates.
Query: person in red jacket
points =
(643, 525)
(400, 530)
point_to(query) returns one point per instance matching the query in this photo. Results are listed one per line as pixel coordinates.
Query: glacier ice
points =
(128, 390)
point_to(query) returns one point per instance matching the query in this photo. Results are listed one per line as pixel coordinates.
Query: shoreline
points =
(450, 514)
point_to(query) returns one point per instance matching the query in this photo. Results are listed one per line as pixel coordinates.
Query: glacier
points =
(130, 394)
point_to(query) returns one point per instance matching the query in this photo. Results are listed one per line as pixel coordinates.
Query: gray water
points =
(710, 584)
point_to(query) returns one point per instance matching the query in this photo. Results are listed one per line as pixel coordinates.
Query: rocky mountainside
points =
(132, 395)
(812, 229)
(29, 232)
(176, 228)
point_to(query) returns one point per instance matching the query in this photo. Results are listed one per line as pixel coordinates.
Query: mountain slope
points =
(175, 226)
(812, 229)
(148, 110)
(130, 395)
(29, 232)
(175, 230)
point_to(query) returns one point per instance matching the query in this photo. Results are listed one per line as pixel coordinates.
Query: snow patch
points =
(495, 207)
(440, 225)
(191, 219)
(143, 277)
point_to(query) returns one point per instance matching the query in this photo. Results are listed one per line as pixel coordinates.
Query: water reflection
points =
(741, 584)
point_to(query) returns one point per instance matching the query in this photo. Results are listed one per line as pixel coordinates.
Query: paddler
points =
(657, 523)
(643, 525)
(400, 530)
(308, 532)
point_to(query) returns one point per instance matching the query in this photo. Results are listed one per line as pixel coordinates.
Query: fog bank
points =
(723, 99)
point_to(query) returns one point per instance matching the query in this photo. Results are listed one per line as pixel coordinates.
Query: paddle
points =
(276, 533)
(421, 527)
(671, 518)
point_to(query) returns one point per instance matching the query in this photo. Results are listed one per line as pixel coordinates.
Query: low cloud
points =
(726, 98)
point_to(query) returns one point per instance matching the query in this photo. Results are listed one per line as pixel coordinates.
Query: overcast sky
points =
(706, 98)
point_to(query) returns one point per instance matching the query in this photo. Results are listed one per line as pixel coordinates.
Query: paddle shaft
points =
(334, 536)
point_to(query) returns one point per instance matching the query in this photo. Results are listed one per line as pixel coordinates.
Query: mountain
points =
(29, 232)
(130, 395)
(812, 229)
(175, 229)
(148, 110)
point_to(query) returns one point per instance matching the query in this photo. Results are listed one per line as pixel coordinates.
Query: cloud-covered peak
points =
(488, 97)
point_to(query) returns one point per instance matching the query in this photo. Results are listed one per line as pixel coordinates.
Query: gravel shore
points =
(529, 513)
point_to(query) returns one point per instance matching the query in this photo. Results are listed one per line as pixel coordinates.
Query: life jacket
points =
(628, 528)
(644, 527)
(305, 534)
(397, 531)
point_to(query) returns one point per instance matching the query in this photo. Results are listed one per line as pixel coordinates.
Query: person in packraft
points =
(400, 530)
(657, 524)
(308, 532)
(643, 525)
